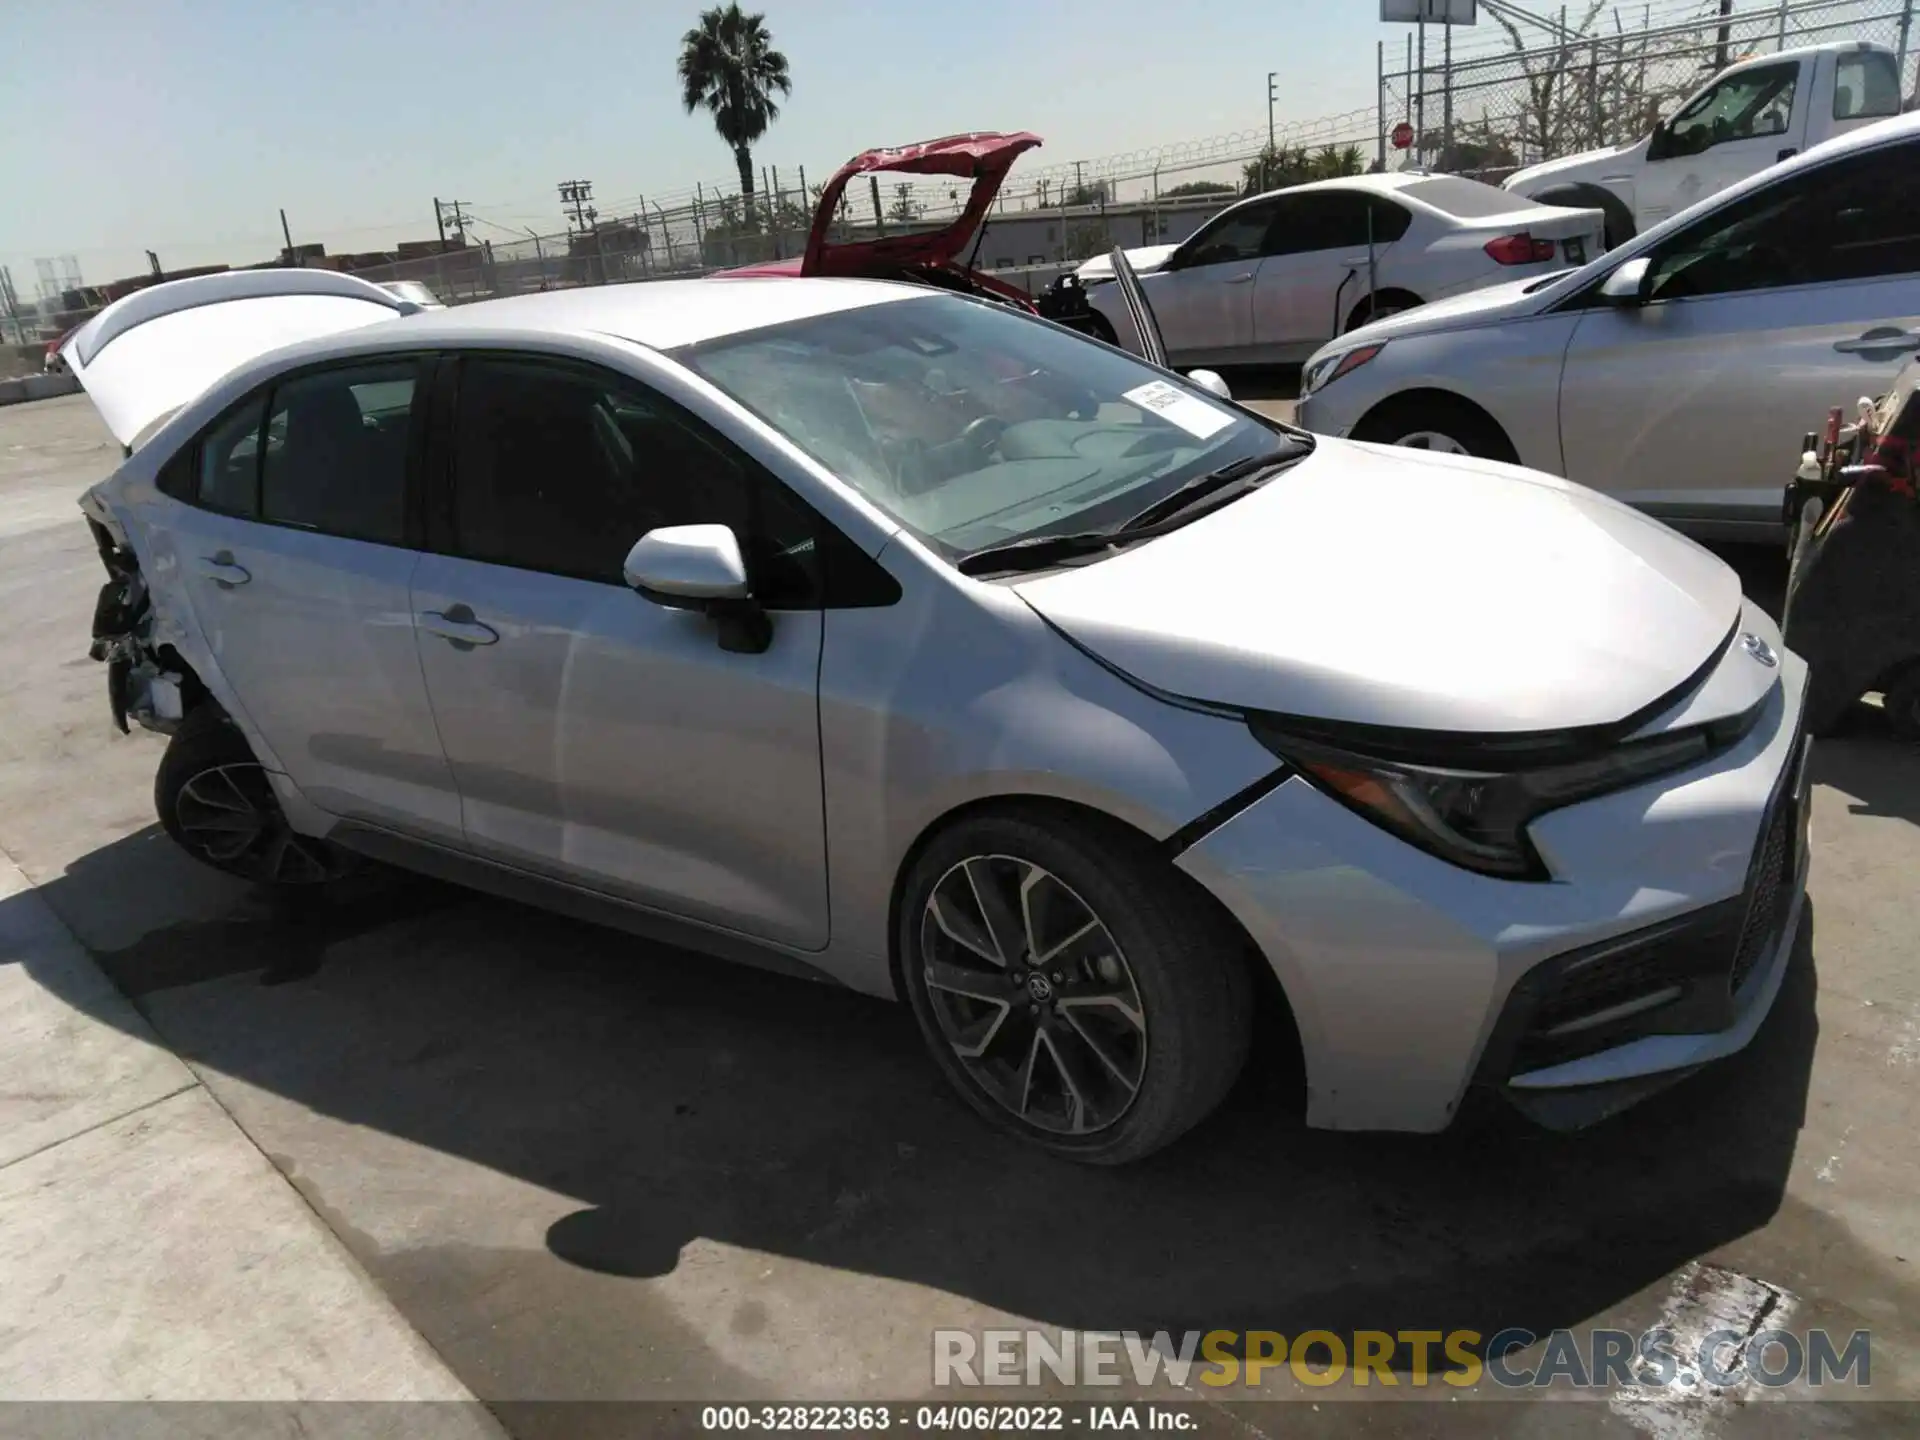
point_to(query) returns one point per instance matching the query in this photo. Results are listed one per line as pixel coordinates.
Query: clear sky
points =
(184, 125)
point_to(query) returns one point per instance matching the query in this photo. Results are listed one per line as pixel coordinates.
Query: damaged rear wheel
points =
(216, 802)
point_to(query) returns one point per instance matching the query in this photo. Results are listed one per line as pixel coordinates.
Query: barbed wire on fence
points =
(1508, 97)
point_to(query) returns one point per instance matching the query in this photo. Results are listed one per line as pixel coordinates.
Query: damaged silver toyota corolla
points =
(923, 646)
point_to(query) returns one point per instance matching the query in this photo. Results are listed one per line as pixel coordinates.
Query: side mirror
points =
(1659, 144)
(1210, 381)
(700, 568)
(1627, 285)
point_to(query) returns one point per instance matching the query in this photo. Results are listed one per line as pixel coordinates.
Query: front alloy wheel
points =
(1075, 989)
(1033, 995)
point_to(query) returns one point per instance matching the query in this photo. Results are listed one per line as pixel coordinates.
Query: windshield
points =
(973, 425)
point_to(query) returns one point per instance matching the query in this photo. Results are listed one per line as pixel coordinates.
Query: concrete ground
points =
(585, 1167)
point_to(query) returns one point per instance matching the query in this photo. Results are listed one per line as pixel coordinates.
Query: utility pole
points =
(1782, 43)
(1725, 39)
(1906, 34)
(1420, 98)
(577, 193)
(1272, 95)
(452, 212)
(287, 235)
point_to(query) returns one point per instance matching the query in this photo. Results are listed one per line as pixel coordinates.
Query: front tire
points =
(1438, 423)
(215, 800)
(1069, 986)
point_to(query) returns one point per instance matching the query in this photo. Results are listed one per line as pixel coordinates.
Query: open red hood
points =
(984, 155)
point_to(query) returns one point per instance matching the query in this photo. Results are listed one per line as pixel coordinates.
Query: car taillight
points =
(1521, 249)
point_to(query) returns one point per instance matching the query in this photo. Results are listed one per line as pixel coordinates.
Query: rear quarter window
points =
(1866, 86)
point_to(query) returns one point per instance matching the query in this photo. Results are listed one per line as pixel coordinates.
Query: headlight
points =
(1329, 368)
(1476, 819)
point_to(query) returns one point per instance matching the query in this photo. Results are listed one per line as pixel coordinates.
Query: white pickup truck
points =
(1749, 116)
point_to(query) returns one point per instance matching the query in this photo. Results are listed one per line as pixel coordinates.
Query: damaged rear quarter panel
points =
(132, 515)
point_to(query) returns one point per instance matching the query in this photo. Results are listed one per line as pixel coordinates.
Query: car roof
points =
(1383, 182)
(662, 314)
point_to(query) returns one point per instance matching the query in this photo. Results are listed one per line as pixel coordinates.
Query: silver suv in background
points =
(1672, 373)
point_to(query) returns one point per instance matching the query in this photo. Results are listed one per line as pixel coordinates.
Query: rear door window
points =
(337, 444)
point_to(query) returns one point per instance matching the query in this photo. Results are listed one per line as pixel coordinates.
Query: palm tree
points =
(728, 64)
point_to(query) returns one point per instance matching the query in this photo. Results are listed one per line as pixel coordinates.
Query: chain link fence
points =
(1514, 95)
(1489, 99)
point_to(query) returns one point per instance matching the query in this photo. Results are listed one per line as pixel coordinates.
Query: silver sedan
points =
(920, 646)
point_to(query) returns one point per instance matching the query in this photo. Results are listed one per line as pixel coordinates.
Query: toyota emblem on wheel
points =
(1758, 649)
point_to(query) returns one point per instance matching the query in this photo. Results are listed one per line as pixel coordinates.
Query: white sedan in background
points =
(1269, 280)
(1681, 373)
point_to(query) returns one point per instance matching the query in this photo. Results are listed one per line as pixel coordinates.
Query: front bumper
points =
(1659, 946)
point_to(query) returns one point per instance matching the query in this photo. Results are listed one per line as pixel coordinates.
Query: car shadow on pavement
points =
(676, 1097)
(1878, 772)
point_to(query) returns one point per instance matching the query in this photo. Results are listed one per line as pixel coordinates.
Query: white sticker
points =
(1189, 412)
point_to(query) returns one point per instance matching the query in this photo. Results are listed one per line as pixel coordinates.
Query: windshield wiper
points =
(1038, 552)
(1241, 475)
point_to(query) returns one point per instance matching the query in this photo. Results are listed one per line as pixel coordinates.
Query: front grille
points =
(1771, 889)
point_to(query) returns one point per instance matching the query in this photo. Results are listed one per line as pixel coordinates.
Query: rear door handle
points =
(1238, 279)
(222, 571)
(457, 627)
(1882, 340)
(1786, 154)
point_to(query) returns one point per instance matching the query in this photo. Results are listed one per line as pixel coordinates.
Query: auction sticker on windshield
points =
(1192, 415)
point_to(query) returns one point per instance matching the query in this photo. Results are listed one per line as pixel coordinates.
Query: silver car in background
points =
(1676, 371)
(898, 638)
(1267, 281)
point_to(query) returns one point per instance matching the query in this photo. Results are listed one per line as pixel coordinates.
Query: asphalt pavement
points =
(534, 1161)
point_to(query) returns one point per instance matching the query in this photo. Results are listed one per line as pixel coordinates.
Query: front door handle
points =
(1238, 279)
(1786, 154)
(457, 627)
(222, 571)
(1881, 342)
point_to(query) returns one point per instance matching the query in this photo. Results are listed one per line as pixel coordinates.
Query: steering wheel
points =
(984, 433)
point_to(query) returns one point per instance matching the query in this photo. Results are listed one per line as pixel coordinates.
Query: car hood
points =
(1145, 259)
(983, 156)
(1505, 301)
(1378, 586)
(151, 352)
(1533, 177)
